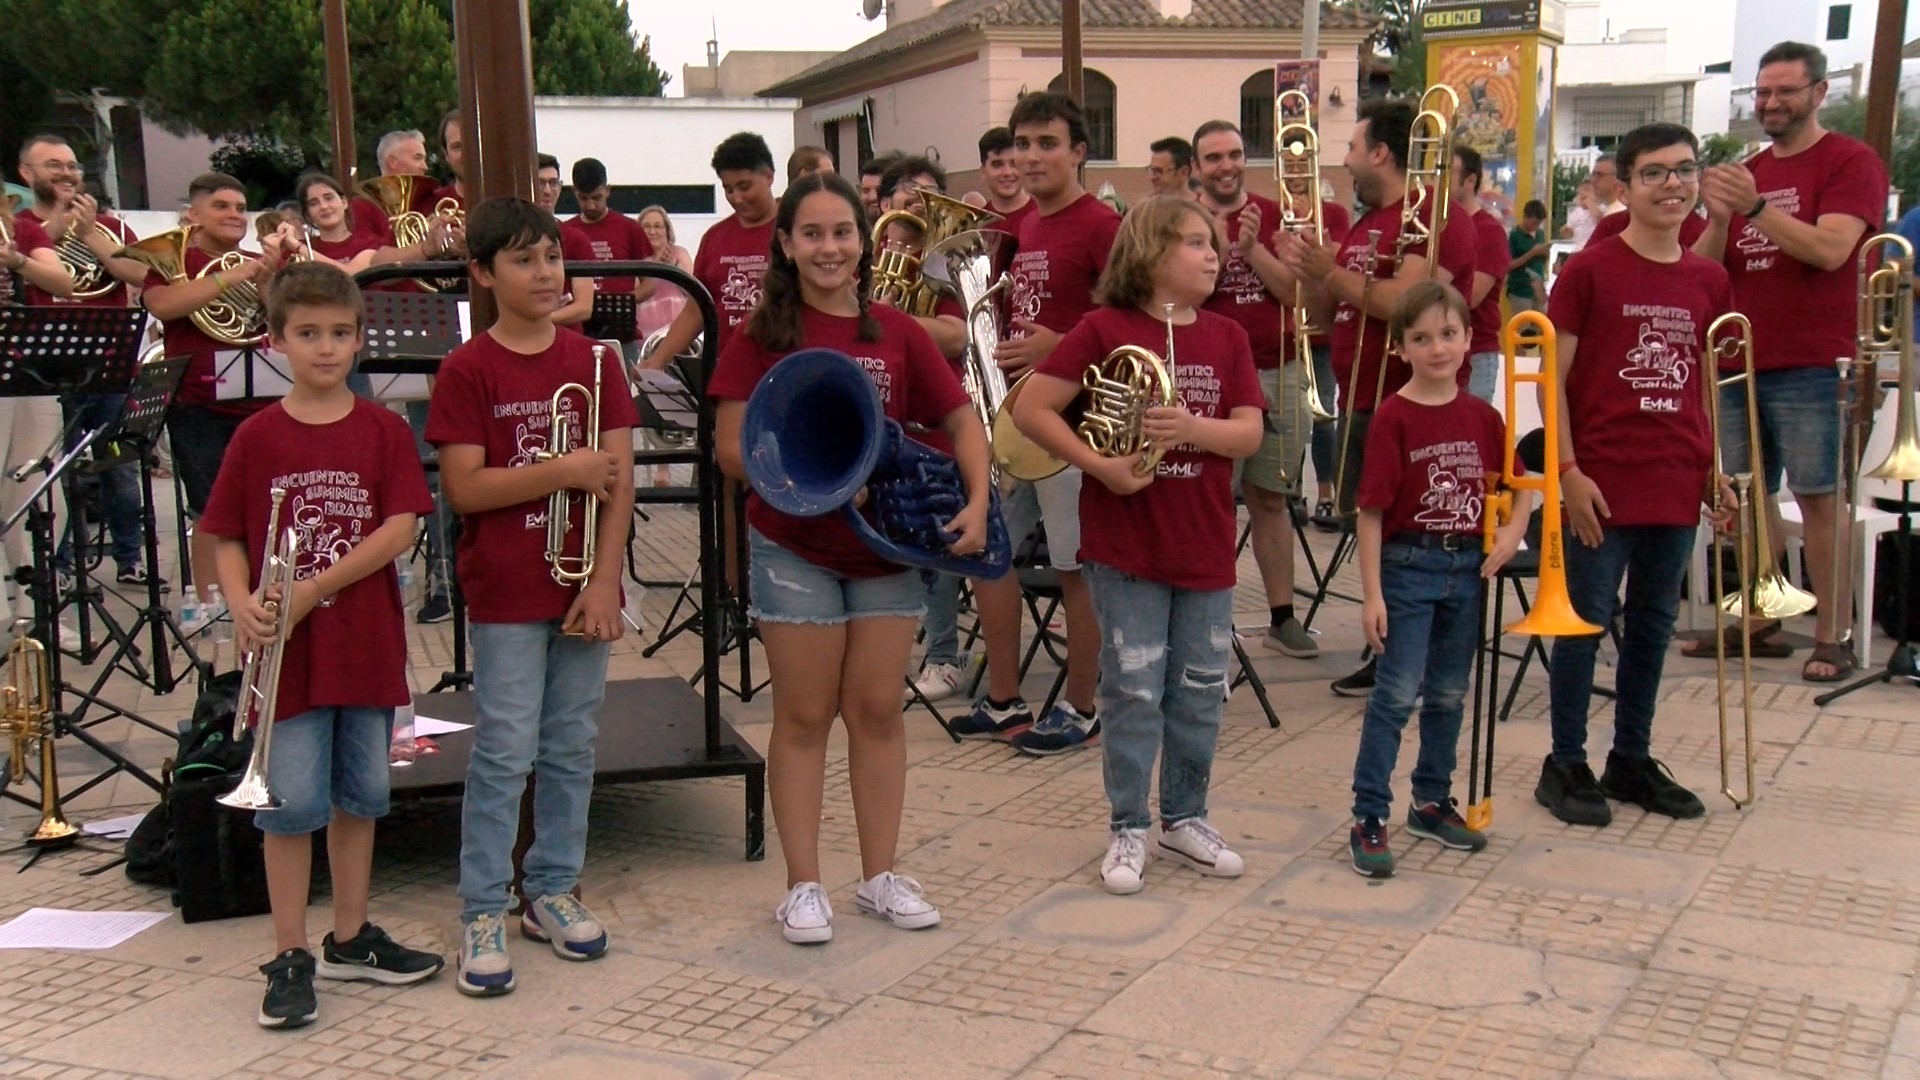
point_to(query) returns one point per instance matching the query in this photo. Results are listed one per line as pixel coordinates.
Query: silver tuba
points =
(963, 264)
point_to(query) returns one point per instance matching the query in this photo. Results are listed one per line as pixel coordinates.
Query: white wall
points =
(1761, 24)
(172, 163)
(1699, 32)
(661, 141)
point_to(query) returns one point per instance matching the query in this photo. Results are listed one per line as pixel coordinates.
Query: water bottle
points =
(219, 627)
(190, 610)
(404, 749)
(403, 569)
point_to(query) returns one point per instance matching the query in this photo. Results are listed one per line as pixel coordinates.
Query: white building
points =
(1632, 62)
(1843, 30)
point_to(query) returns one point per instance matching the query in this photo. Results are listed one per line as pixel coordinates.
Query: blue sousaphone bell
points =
(815, 434)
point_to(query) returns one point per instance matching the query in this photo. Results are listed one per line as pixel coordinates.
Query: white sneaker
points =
(1126, 862)
(1200, 846)
(805, 917)
(898, 900)
(937, 682)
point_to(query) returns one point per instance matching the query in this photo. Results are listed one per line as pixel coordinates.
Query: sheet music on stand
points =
(68, 349)
(251, 373)
(407, 335)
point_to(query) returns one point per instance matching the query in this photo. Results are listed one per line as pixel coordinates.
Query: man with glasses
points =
(1170, 168)
(63, 208)
(1788, 224)
(1608, 190)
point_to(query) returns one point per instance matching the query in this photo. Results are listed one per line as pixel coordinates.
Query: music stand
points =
(614, 314)
(1901, 662)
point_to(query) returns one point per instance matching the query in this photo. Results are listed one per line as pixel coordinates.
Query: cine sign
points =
(1449, 17)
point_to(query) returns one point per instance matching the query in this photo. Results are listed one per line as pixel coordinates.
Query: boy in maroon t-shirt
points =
(1433, 453)
(539, 646)
(734, 251)
(1164, 596)
(340, 473)
(608, 236)
(1482, 370)
(1632, 314)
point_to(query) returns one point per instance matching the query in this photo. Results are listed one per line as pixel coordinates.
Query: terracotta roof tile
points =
(961, 15)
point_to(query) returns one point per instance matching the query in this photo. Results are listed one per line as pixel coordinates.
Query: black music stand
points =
(65, 350)
(1901, 663)
(614, 317)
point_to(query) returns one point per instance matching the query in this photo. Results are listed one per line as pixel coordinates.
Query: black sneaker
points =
(1359, 684)
(375, 957)
(435, 609)
(1647, 783)
(137, 575)
(1323, 517)
(1368, 843)
(289, 1002)
(1570, 793)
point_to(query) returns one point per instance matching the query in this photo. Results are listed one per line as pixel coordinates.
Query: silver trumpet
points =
(260, 673)
(575, 568)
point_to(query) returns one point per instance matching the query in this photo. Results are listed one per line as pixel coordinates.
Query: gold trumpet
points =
(26, 719)
(1296, 158)
(258, 704)
(1120, 388)
(561, 441)
(235, 316)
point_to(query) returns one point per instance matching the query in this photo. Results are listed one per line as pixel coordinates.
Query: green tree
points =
(586, 48)
(1848, 116)
(1722, 149)
(1397, 35)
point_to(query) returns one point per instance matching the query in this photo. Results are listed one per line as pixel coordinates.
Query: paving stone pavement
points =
(1781, 940)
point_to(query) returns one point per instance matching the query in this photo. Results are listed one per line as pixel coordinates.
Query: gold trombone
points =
(258, 704)
(1552, 613)
(1120, 388)
(1892, 330)
(1296, 158)
(1883, 335)
(561, 441)
(26, 719)
(1764, 592)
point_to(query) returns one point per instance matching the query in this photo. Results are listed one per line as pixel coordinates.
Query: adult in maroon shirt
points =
(1490, 268)
(1257, 291)
(400, 153)
(62, 207)
(1788, 224)
(1336, 221)
(610, 236)
(1632, 315)
(734, 251)
(577, 303)
(1377, 160)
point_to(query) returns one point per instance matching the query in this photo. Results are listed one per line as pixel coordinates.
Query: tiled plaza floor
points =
(1777, 941)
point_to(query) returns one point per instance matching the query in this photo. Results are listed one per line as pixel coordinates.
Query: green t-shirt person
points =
(1524, 238)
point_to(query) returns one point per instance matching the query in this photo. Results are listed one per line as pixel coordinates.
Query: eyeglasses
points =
(57, 167)
(1656, 175)
(1779, 93)
(546, 183)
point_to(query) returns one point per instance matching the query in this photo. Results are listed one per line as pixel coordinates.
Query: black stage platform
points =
(650, 729)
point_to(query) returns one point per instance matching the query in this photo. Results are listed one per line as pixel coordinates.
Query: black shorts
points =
(199, 437)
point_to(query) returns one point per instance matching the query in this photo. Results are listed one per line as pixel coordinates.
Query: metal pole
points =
(1310, 33)
(340, 89)
(492, 48)
(1883, 80)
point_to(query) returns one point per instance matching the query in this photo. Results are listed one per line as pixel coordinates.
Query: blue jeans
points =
(1484, 375)
(437, 570)
(119, 486)
(1653, 559)
(329, 756)
(942, 620)
(1433, 627)
(536, 695)
(1324, 431)
(1163, 675)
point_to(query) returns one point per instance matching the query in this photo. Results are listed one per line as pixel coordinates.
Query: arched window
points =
(1256, 114)
(1098, 108)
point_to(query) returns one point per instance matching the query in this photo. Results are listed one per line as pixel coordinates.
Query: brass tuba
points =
(897, 270)
(1296, 157)
(573, 569)
(26, 719)
(1120, 388)
(237, 316)
(258, 704)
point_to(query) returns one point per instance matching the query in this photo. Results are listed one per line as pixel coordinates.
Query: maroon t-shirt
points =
(730, 263)
(1240, 295)
(1061, 256)
(1177, 530)
(28, 237)
(366, 217)
(1010, 224)
(1804, 316)
(343, 481)
(1427, 468)
(1335, 222)
(183, 338)
(614, 237)
(360, 239)
(917, 385)
(1490, 255)
(1636, 406)
(114, 297)
(1457, 256)
(1615, 223)
(489, 396)
(1011, 221)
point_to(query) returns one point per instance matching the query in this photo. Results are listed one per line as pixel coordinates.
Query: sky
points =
(680, 28)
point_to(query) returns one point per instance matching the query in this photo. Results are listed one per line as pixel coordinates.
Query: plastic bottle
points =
(219, 627)
(403, 569)
(404, 748)
(190, 610)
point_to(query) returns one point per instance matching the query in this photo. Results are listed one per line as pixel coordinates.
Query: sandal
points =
(1763, 644)
(1837, 655)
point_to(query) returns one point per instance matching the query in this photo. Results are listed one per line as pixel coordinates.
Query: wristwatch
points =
(1757, 208)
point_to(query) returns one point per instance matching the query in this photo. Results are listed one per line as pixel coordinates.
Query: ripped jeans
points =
(1163, 678)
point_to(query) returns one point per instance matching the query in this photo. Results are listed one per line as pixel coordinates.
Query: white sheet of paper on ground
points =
(427, 725)
(118, 828)
(53, 928)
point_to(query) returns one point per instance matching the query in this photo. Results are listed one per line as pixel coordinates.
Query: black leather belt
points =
(1438, 541)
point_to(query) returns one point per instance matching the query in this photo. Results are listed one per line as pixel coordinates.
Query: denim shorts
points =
(788, 589)
(1799, 427)
(332, 756)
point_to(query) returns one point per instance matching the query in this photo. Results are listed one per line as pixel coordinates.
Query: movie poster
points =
(1301, 75)
(1487, 76)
